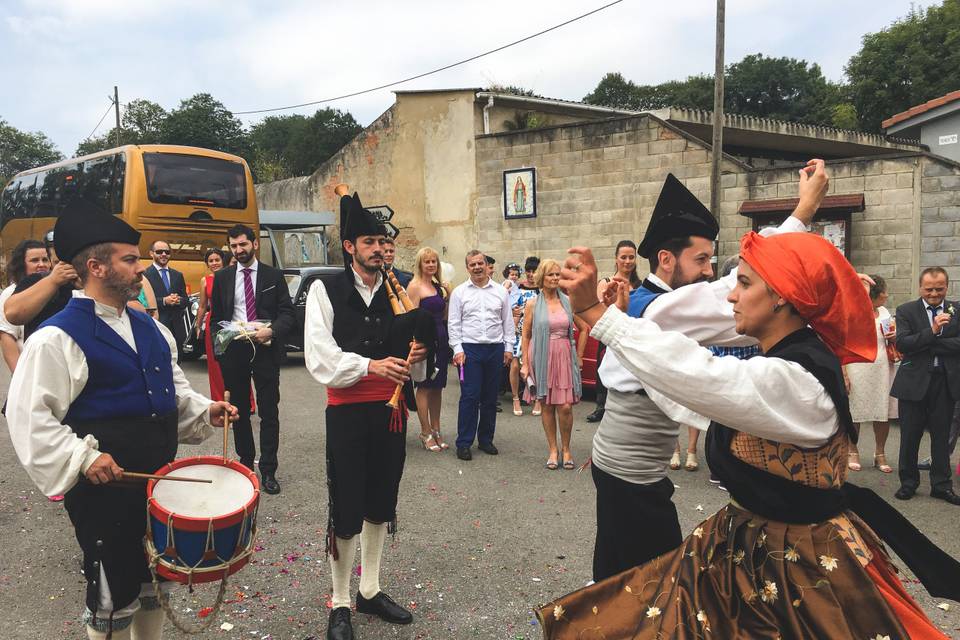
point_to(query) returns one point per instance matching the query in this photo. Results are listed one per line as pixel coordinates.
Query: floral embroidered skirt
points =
(740, 576)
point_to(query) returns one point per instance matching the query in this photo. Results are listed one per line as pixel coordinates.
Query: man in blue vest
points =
(97, 392)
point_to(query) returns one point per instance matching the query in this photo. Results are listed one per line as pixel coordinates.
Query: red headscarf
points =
(814, 277)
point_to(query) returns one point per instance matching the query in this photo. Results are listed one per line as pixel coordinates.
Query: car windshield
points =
(175, 178)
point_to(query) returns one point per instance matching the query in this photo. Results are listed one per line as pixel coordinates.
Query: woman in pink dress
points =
(552, 359)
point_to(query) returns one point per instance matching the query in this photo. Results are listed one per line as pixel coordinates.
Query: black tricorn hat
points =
(355, 221)
(74, 233)
(678, 214)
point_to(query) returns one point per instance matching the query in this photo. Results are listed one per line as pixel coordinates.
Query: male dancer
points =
(355, 345)
(96, 392)
(635, 439)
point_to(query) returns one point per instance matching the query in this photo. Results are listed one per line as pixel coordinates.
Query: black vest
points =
(356, 327)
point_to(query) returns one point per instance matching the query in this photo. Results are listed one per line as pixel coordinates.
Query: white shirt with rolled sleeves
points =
(326, 361)
(699, 311)
(480, 315)
(51, 373)
(770, 398)
(14, 330)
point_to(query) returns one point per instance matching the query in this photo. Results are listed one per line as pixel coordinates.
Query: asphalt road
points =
(480, 543)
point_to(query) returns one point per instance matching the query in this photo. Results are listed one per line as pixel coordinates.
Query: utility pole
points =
(116, 109)
(717, 153)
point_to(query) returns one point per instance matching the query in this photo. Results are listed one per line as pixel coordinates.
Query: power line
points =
(438, 70)
(100, 122)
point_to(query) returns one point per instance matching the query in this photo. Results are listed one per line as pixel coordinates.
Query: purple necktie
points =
(250, 297)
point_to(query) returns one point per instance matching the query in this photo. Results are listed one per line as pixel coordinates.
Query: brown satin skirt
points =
(740, 576)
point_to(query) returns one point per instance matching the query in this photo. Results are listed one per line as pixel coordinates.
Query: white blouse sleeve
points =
(326, 361)
(51, 373)
(766, 397)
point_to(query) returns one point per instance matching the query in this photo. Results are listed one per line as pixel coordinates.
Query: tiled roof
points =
(921, 108)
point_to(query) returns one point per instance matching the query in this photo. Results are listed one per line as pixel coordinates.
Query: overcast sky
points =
(61, 59)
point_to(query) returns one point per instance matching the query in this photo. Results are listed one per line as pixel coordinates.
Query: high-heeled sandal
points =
(517, 410)
(425, 438)
(880, 462)
(536, 409)
(691, 464)
(439, 440)
(675, 460)
(853, 461)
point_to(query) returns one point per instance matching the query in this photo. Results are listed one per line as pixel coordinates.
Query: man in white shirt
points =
(480, 324)
(97, 392)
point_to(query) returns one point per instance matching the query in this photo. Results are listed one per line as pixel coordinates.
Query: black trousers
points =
(364, 465)
(932, 414)
(635, 523)
(237, 370)
(601, 390)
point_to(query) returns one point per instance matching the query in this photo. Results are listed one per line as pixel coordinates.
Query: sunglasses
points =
(162, 251)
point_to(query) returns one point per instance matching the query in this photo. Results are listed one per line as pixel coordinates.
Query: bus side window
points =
(8, 201)
(119, 175)
(28, 195)
(96, 191)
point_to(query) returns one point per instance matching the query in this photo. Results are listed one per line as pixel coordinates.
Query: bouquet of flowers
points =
(232, 330)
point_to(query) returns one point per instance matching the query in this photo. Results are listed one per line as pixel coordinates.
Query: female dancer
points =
(428, 292)
(796, 554)
(549, 349)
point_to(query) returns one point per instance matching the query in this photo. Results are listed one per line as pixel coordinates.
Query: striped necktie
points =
(251, 300)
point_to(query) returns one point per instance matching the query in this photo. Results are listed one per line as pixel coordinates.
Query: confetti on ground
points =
(944, 605)
(226, 626)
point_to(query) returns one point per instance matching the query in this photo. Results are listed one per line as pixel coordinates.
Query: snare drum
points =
(200, 532)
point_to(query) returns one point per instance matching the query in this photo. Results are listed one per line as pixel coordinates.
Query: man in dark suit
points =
(927, 383)
(245, 292)
(389, 254)
(171, 291)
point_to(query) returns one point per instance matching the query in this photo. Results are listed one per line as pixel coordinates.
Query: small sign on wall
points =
(950, 139)
(520, 193)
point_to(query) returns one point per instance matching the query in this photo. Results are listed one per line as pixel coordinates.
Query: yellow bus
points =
(186, 196)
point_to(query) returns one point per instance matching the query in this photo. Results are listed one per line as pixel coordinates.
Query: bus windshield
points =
(174, 178)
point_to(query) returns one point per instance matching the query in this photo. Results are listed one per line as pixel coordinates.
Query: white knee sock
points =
(147, 625)
(123, 634)
(372, 537)
(340, 571)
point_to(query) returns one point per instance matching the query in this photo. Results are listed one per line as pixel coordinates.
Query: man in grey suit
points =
(171, 291)
(927, 383)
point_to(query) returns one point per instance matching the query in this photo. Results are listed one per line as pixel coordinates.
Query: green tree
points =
(140, 123)
(915, 59)
(22, 150)
(202, 121)
(782, 88)
(779, 88)
(287, 146)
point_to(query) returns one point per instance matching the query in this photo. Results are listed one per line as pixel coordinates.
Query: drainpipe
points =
(486, 115)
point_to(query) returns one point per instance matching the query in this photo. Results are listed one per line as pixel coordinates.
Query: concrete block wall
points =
(597, 184)
(940, 219)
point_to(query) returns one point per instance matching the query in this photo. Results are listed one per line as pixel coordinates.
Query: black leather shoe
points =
(464, 453)
(596, 416)
(489, 449)
(924, 465)
(339, 627)
(270, 484)
(903, 493)
(946, 495)
(383, 606)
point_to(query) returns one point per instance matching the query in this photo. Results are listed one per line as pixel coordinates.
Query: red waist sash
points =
(369, 388)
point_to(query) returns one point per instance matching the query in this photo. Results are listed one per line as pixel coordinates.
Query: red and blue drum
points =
(199, 532)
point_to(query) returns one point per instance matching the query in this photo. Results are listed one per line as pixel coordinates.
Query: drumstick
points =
(226, 425)
(153, 476)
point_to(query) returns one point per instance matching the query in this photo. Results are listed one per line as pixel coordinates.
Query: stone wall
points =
(940, 219)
